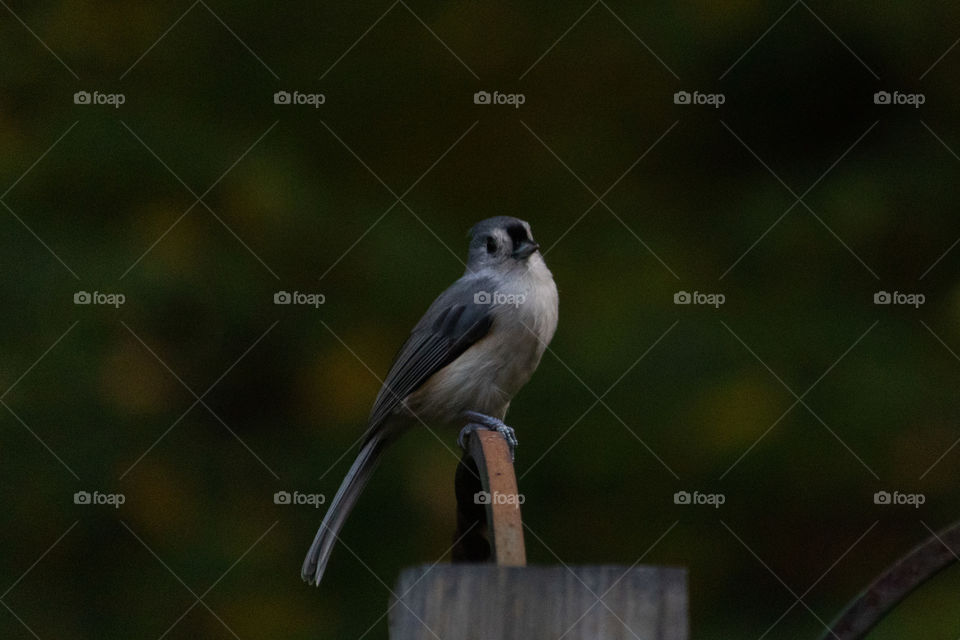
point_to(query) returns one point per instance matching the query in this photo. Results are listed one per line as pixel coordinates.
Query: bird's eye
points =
(491, 245)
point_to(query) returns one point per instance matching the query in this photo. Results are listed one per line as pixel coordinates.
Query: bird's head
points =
(501, 243)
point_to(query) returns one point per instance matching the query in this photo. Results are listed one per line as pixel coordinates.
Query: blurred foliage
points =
(285, 390)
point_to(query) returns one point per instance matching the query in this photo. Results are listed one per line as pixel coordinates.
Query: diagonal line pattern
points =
(38, 360)
(19, 419)
(417, 581)
(957, 441)
(799, 199)
(957, 241)
(357, 41)
(381, 381)
(818, 19)
(40, 240)
(417, 17)
(563, 435)
(398, 199)
(600, 199)
(178, 20)
(24, 575)
(557, 41)
(600, 598)
(39, 439)
(396, 599)
(17, 181)
(20, 620)
(638, 39)
(200, 199)
(157, 41)
(40, 40)
(599, 399)
(238, 39)
(840, 40)
(799, 399)
(937, 61)
(819, 580)
(757, 41)
(198, 599)
(779, 579)
(610, 188)
(37, 161)
(940, 540)
(199, 400)
(439, 39)
(618, 19)
(37, 561)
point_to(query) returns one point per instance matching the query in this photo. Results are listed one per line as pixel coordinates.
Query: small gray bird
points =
(476, 346)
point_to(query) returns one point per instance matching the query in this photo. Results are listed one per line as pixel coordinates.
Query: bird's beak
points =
(525, 249)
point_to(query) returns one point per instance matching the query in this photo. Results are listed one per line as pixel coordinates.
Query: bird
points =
(471, 352)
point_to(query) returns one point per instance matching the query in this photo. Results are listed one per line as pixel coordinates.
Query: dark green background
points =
(299, 198)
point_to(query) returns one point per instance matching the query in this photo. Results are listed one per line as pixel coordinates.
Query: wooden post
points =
(486, 602)
(507, 600)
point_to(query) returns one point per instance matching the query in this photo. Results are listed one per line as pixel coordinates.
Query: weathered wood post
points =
(508, 600)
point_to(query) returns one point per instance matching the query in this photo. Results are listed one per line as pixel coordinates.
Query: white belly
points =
(488, 374)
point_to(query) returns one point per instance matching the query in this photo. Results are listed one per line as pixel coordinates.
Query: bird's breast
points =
(489, 373)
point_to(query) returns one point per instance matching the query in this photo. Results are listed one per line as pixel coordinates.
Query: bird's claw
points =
(491, 423)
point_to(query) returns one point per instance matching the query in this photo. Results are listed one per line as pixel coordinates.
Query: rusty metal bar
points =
(489, 523)
(866, 610)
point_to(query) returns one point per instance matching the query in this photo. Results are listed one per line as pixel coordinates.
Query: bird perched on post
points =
(474, 348)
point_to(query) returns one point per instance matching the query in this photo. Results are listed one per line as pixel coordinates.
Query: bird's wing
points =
(450, 326)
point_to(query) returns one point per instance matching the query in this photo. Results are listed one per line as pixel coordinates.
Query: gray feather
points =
(450, 326)
(360, 471)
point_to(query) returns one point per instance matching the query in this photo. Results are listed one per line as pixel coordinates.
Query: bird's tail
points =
(361, 470)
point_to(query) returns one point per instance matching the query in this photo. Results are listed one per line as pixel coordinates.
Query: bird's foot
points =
(493, 424)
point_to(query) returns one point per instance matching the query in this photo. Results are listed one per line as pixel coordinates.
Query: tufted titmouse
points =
(476, 346)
